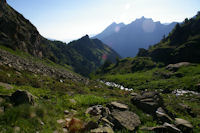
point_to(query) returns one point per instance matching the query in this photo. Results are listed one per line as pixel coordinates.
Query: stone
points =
(94, 110)
(124, 119)
(171, 128)
(133, 94)
(60, 121)
(117, 105)
(75, 125)
(91, 125)
(6, 86)
(72, 101)
(22, 97)
(107, 122)
(102, 130)
(162, 116)
(1, 110)
(66, 112)
(16, 129)
(157, 129)
(183, 125)
(148, 101)
(98, 110)
(175, 67)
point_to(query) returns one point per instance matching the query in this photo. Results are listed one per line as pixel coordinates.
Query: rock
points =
(60, 121)
(75, 125)
(1, 110)
(16, 129)
(175, 67)
(102, 130)
(184, 125)
(66, 112)
(22, 97)
(148, 101)
(107, 122)
(6, 86)
(171, 128)
(162, 116)
(133, 94)
(91, 125)
(94, 110)
(166, 128)
(98, 110)
(65, 130)
(116, 105)
(1, 100)
(72, 101)
(124, 119)
(157, 129)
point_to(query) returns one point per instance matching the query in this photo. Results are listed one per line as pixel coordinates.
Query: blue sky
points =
(70, 19)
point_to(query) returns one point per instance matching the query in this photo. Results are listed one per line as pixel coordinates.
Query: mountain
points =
(114, 27)
(182, 44)
(141, 33)
(84, 55)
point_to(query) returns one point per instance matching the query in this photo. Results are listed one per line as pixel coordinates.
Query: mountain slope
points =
(141, 33)
(18, 33)
(182, 44)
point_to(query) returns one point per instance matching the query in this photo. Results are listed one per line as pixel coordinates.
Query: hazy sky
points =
(70, 19)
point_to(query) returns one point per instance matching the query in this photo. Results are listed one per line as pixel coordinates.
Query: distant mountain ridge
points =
(141, 33)
(84, 55)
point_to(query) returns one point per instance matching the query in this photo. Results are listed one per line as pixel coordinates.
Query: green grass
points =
(154, 79)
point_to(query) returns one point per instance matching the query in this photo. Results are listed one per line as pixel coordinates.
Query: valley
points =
(85, 86)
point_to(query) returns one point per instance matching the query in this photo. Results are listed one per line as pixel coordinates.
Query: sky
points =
(67, 20)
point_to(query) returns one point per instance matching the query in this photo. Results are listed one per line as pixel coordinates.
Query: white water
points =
(179, 92)
(112, 84)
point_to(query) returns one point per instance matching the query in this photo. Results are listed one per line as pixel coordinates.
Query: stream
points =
(177, 92)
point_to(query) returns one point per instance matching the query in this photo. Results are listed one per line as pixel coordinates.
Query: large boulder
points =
(124, 119)
(148, 101)
(184, 125)
(22, 97)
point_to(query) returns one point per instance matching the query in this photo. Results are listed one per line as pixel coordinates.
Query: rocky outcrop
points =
(148, 101)
(22, 97)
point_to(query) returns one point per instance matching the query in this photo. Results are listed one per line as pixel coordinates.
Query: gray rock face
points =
(125, 119)
(22, 97)
(148, 101)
